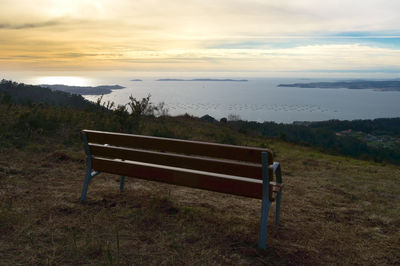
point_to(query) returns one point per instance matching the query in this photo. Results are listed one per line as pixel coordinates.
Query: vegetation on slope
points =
(28, 112)
(377, 140)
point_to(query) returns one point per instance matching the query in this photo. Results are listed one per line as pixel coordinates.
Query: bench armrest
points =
(277, 171)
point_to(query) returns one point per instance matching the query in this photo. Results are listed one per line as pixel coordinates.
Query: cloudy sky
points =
(260, 36)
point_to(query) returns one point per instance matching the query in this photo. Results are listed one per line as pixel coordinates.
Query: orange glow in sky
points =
(226, 35)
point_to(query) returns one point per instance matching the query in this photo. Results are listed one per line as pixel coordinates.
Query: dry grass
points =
(334, 211)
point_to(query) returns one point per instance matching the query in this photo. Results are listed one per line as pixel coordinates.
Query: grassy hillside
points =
(335, 209)
(377, 140)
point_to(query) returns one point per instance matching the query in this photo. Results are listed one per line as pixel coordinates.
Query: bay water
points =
(258, 99)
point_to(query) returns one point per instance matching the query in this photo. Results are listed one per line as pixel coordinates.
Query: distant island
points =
(388, 85)
(83, 90)
(136, 80)
(234, 80)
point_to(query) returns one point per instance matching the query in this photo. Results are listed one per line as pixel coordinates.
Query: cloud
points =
(76, 55)
(80, 55)
(23, 26)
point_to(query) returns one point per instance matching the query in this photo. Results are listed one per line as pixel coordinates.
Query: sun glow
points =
(64, 80)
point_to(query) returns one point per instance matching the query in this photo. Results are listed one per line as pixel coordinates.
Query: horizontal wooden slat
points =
(221, 183)
(223, 151)
(177, 160)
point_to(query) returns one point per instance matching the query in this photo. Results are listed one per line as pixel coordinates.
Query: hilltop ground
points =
(335, 210)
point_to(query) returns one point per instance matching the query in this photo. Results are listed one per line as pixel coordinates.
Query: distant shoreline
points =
(388, 85)
(84, 90)
(223, 80)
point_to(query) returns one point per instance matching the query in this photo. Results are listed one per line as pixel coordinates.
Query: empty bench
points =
(237, 170)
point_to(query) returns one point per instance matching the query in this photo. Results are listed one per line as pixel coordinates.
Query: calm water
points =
(259, 99)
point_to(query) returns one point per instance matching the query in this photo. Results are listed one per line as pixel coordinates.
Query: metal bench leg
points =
(278, 206)
(88, 177)
(122, 182)
(262, 239)
(278, 173)
(86, 184)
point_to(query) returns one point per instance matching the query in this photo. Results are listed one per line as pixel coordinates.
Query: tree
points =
(141, 107)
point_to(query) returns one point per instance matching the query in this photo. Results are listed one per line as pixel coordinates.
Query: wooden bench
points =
(237, 170)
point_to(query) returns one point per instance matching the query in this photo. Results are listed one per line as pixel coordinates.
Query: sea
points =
(257, 99)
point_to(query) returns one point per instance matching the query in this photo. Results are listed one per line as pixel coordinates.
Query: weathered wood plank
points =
(177, 160)
(215, 182)
(230, 152)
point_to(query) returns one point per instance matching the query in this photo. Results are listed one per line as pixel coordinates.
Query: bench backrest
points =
(238, 161)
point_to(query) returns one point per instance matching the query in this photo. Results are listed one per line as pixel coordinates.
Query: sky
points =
(236, 36)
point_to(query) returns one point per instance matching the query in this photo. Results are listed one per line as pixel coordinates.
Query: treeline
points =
(323, 135)
(378, 127)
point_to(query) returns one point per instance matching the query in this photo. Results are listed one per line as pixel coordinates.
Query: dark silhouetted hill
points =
(20, 93)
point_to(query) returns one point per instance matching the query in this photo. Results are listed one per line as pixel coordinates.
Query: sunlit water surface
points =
(259, 99)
